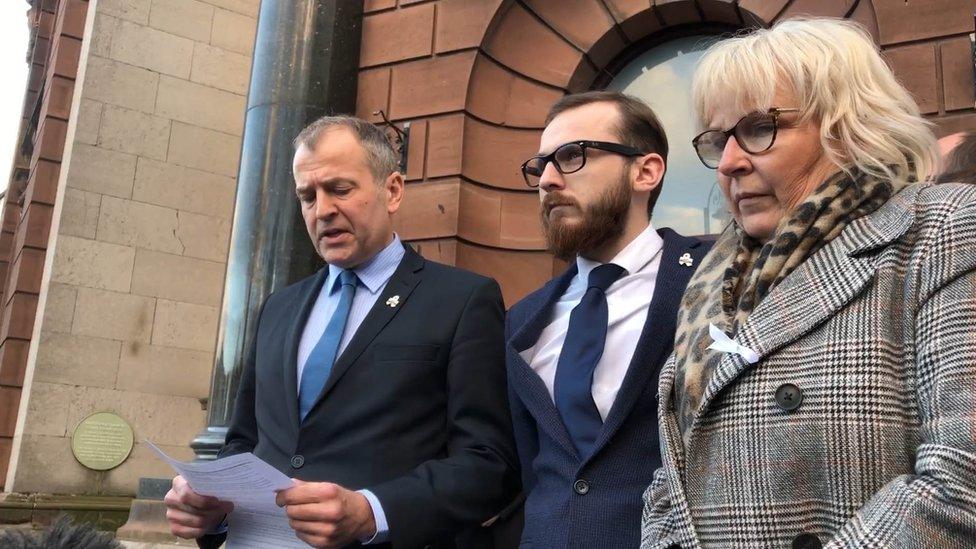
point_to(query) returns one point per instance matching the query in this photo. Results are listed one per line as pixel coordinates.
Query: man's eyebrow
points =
(329, 182)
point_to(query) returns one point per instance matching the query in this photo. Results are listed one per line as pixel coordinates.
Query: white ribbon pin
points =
(723, 344)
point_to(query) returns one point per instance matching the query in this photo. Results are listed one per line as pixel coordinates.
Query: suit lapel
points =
(401, 284)
(526, 383)
(293, 337)
(817, 289)
(657, 337)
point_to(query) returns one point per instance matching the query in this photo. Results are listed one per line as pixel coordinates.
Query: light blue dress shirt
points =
(373, 276)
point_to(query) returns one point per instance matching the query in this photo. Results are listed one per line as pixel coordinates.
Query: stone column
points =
(306, 62)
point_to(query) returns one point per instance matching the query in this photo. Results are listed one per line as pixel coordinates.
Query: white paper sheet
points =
(250, 484)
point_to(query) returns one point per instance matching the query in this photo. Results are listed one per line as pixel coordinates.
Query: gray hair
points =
(380, 156)
(60, 535)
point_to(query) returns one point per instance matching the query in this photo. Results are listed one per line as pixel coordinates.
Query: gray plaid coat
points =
(878, 332)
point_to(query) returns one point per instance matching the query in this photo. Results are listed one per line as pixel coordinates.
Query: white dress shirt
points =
(628, 300)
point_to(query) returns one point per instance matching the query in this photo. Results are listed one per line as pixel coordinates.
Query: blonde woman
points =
(822, 390)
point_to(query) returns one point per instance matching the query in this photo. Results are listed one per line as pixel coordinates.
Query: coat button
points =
(581, 487)
(806, 540)
(297, 461)
(789, 397)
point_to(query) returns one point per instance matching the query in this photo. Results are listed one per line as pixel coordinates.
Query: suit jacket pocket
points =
(402, 353)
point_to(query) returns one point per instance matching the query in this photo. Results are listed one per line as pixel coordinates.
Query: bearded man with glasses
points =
(584, 351)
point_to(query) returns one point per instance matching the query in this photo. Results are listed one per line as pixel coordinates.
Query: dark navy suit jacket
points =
(414, 409)
(593, 502)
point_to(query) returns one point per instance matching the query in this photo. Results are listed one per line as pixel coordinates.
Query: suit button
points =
(297, 461)
(789, 397)
(806, 540)
(581, 487)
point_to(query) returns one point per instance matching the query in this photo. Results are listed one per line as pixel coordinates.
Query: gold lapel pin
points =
(686, 260)
(393, 301)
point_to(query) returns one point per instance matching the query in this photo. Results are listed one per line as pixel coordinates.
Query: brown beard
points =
(603, 220)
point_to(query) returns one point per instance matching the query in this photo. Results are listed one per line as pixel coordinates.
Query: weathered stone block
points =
(186, 18)
(246, 7)
(203, 149)
(185, 325)
(200, 105)
(59, 308)
(131, 10)
(120, 84)
(203, 236)
(152, 49)
(136, 224)
(397, 35)
(93, 264)
(184, 189)
(165, 370)
(134, 132)
(47, 409)
(46, 464)
(222, 69)
(177, 278)
(89, 119)
(79, 215)
(102, 33)
(112, 315)
(101, 171)
(77, 360)
(233, 31)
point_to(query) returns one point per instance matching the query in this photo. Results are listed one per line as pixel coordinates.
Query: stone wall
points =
(132, 296)
(113, 244)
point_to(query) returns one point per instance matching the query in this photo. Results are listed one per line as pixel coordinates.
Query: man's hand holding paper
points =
(191, 515)
(324, 514)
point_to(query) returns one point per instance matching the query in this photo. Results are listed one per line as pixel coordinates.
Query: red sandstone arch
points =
(532, 52)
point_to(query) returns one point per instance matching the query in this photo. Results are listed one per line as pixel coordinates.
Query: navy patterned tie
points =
(581, 352)
(323, 355)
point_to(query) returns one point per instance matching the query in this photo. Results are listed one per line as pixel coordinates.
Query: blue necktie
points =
(323, 355)
(581, 352)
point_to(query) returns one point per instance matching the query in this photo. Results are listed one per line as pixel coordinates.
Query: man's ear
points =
(649, 172)
(394, 192)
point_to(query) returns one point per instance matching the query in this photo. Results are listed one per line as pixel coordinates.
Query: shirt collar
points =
(634, 257)
(374, 272)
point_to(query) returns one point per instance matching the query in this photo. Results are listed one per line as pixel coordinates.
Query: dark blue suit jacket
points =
(414, 408)
(593, 502)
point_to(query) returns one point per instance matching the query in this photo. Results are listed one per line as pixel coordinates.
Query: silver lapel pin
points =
(686, 260)
(393, 301)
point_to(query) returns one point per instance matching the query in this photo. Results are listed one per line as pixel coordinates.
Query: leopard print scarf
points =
(740, 271)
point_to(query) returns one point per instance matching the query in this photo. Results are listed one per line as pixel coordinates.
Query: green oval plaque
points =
(102, 441)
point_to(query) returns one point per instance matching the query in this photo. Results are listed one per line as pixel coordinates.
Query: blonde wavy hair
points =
(868, 121)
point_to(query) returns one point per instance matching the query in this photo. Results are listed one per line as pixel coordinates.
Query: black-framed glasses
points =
(570, 157)
(754, 132)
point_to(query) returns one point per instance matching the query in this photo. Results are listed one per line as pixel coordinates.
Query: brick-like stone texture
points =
(462, 24)
(429, 210)
(233, 32)
(957, 74)
(397, 35)
(430, 86)
(521, 41)
(909, 20)
(187, 18)
(93, 264)
(915, 67)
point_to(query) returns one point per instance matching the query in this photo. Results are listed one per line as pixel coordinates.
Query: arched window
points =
(690, 201)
